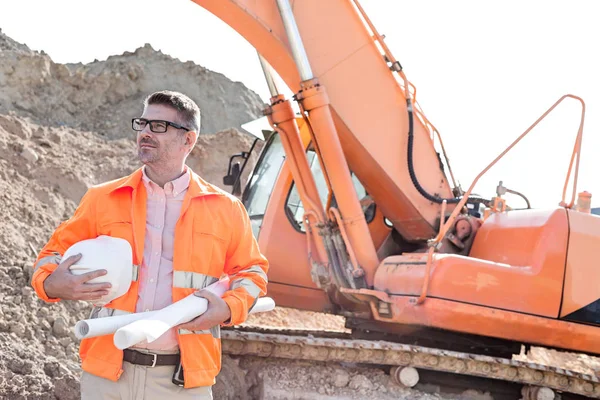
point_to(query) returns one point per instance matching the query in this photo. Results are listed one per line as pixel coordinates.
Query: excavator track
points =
(339, 347)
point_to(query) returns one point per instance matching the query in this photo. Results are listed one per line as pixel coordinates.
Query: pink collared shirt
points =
(163, 207)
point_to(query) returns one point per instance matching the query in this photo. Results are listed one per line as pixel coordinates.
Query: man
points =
(185, 234)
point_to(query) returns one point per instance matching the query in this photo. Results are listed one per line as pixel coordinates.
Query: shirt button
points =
(147, 309)
(152, 280)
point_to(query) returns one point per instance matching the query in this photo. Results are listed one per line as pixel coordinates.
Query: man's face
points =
(166, 148)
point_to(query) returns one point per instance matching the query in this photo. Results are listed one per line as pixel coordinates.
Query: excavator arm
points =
(367, 101)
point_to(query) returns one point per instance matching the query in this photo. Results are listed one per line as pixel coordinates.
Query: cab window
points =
(294, 207)
(259, 188)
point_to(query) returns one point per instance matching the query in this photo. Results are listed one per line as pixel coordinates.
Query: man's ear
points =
(190, 139)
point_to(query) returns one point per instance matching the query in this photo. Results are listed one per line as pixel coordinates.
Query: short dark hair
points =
(187, 110)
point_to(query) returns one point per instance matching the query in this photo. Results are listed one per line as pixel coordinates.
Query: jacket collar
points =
(198, 186)
(132, 181)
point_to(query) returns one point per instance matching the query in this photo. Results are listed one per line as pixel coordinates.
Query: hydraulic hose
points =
(411, 168)
(520, 195)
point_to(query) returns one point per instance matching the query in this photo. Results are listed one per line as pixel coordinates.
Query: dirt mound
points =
(103, 96)
(43, 173)
(289, 318)
(7, 44)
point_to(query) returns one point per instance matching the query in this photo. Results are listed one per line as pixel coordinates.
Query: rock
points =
(60, 327)
(54, 350)
(52, 369)
(360, 382)
(39, 133)
(29, 154)
(18, 329)
(472, 394)
(19, 366)
(46, 325)
(56, 137)
(67, 388)
(15, 126)
(340, 378)
(26, 291)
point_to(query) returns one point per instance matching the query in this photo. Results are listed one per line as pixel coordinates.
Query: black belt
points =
(150, 360)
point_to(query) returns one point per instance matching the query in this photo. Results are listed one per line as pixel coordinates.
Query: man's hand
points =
(62, 284)
(217, 312)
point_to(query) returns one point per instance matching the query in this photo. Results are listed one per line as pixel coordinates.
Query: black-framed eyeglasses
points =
(156, 125)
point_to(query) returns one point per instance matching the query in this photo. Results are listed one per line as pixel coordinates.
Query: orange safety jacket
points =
(213, 236)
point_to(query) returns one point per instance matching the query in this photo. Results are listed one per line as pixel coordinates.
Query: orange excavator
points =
(360, 216)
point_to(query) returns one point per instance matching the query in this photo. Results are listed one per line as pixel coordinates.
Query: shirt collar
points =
(174, 187)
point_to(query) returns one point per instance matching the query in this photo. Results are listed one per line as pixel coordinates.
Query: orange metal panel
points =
(583, 273)
(517, 263)
(523, 237)
(298, 297)
(277, 237)
(502, 324)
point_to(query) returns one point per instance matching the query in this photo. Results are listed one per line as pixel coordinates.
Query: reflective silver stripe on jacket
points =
(195, 280)
(55, 258)
(215, 331)
(135, 273)
(192, 280)
(247, 284)
(256, 269)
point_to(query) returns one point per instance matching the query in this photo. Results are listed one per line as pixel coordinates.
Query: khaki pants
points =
(140, 383)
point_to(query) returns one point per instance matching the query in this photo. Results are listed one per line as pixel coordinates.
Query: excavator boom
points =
(366, 100)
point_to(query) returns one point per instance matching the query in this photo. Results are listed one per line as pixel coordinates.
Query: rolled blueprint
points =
(88, 328)
(105, 326)
(179, 311)
(262, 304)
(150, 329)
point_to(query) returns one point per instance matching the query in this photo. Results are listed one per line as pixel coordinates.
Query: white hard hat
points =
(104, 252)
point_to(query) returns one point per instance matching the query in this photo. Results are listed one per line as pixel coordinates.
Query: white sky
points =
(484, 70)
